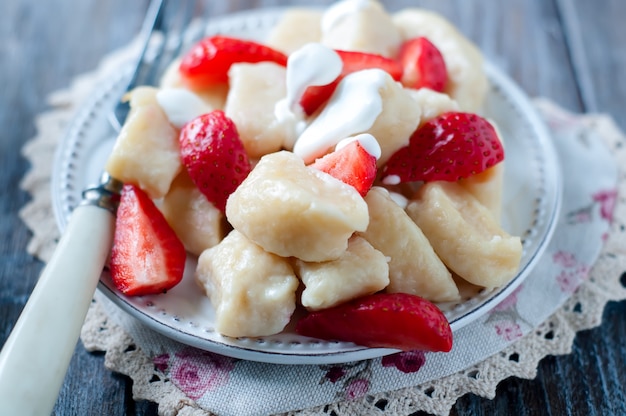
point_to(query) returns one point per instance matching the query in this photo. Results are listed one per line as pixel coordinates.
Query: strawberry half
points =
(351, 164)
(147, 257)
(208, 61)
(214, 156)
(423, 65)
(315, 96)
(384, 320)
(449, 147)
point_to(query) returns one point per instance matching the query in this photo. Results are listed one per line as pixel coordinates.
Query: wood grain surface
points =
(571, 51)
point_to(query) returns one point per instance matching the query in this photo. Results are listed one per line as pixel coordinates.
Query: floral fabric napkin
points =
(227, 386)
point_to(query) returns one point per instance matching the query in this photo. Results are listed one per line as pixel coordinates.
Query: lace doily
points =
(105, 331)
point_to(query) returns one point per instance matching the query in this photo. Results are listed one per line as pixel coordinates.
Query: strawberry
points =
(449, 147)
(383, 320)
(351, 164)
(208, 61)
(214, 156)
(147, 257)
(315, 96)
(423, 65)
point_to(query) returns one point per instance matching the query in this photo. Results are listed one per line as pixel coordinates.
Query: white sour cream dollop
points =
(312, 65)
(353, 108)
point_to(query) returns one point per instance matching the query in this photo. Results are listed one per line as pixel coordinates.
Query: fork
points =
(35, 357)
(166, 38)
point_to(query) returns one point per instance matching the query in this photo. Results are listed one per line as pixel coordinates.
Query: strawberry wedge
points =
(423, 65)
(214, 156)
(352, 164)
(449, 147)
(384, 320)
(314, 97)
(208, 61)
(147, 257)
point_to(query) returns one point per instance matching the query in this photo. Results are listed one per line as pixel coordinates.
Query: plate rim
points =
(518, 97)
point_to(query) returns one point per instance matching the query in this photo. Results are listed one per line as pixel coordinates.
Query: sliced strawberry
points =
(208, 61)
(423, 65)
(384, 320)
(314, 97)
(351, 164)
(147, 257)
(447, 148)
(214, 156)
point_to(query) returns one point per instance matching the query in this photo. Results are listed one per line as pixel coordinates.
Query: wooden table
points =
(571, 51)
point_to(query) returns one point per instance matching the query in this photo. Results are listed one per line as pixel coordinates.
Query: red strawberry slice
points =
(423, 65)
(351, 164)
(214, 156)
(314, 97)
(147, 257)
(208, 61)
(384, 320)
(447, 148)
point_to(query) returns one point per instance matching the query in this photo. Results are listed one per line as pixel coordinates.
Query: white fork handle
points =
(35, 357)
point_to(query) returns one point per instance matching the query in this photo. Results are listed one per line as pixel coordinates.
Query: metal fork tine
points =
(173, 39)
(151, 24)
(170, 26)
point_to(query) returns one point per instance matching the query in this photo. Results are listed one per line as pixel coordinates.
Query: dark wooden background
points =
(571, 51)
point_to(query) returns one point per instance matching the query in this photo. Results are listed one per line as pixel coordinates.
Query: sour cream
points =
(366, 140)
(352, 109)
(312, 65)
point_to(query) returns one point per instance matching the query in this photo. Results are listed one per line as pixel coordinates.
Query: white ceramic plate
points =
(532, 196)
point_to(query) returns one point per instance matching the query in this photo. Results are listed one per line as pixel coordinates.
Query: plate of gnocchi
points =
(303, 189)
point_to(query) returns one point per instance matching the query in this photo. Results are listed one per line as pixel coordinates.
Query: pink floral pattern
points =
(573, 272)
(506, 319)
(195, 371)
(354, 378)
(406, 362)
(335, 373)
(357, 388)
(161, 362)
(564, 259)
(607, 200)
(508, 330)
(603, 201)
